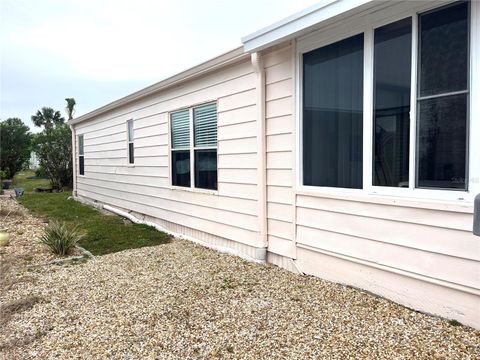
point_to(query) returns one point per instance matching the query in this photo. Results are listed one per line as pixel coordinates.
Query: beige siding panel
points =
(161, 161)
(159, 129)
(106, 154)
(237, 146)
(399, 257)
(280, 212)
(279, 177)
(137, 179)
(247, 176)
(245, 191)
(216, 228)
(237, 161)
(158, 171)
(282, 142)
(231, 218)
(448, 219)
(117, 145)
(151, 140)
(279, 125)
(237, 131)
(242, 206)
(278, 56)
(278, 72)
(281, 195)
(160, 120)
(281, 246)
(280, 229)
(235, 116)
(120, 161)
(150, 151)
(280, 89)
(445, 241)
(279, 107)
(280, 160)
(114, 129)
(234, 101)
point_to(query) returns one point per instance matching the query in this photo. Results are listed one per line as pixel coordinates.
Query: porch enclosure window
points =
(194, 146)
(131, 157)
(81, 159)
(333, 114)
(333, 105)
(392, 78)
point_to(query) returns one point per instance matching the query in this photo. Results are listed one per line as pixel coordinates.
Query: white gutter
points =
(258, 66)
(206, 67)
(303, 21)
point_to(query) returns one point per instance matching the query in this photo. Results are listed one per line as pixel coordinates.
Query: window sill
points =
(409, 199)
(194, 190)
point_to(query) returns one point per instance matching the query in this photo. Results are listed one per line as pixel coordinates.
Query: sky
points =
(97, 51)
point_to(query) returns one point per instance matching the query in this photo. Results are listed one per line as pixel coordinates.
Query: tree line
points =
(52, 146)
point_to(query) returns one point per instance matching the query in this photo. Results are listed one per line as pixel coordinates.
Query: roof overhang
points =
(204, 68)
(305, 21)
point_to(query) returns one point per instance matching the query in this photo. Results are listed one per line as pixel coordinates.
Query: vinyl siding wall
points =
(144, 188)
(421, 254)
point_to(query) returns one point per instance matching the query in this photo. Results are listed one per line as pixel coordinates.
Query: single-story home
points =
(342, 142)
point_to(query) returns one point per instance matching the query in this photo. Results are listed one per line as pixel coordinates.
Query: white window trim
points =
(366, 25)
(128, 143)
(191, 149)
(83, 155)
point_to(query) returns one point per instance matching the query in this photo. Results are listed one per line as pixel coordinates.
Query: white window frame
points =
(191, 149)
(366, 25)
(130, 142)
(81, 155)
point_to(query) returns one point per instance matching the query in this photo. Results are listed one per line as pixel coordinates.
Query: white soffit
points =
(303, 21)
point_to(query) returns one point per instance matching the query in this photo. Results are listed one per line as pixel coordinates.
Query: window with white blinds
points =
(194, 147)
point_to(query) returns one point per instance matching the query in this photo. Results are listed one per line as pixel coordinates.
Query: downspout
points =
(258, 66)
(74, 161)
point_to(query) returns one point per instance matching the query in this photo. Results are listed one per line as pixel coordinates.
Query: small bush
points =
(59, 238)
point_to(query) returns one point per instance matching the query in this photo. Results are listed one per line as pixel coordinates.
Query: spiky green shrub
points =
(59, 238)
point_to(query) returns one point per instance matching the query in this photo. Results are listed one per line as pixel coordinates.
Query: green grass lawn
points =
(21, 181)
(104, 234)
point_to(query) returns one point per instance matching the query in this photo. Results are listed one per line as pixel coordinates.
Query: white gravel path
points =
(179, 301)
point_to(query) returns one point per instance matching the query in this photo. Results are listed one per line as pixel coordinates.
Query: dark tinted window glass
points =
(181, 168)
(444, 50)
(333, 114)
(131, 157)
(81, 165)
(392, 78)
(206, 169)
(442, 142)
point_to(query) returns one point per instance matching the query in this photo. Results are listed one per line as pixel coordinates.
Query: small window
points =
(180, 124)
(81, 160)
(131, 157)
(194, 147)
(205, 129)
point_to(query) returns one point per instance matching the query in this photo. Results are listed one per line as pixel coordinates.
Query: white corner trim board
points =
(136, 220)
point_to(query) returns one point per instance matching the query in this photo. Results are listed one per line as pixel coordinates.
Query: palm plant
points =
(70, 107)
(47, 117)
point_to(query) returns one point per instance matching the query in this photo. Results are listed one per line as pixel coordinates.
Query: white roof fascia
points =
(295, 24)
(220, 61)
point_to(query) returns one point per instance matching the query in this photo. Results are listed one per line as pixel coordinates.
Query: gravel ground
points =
(183, 301)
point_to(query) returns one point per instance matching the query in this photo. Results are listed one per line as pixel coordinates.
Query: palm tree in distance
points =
(70, 107)
(47, 117)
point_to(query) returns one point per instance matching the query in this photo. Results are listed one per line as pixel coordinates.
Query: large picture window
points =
(333, 114)
(419, 90)
(194, 146)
